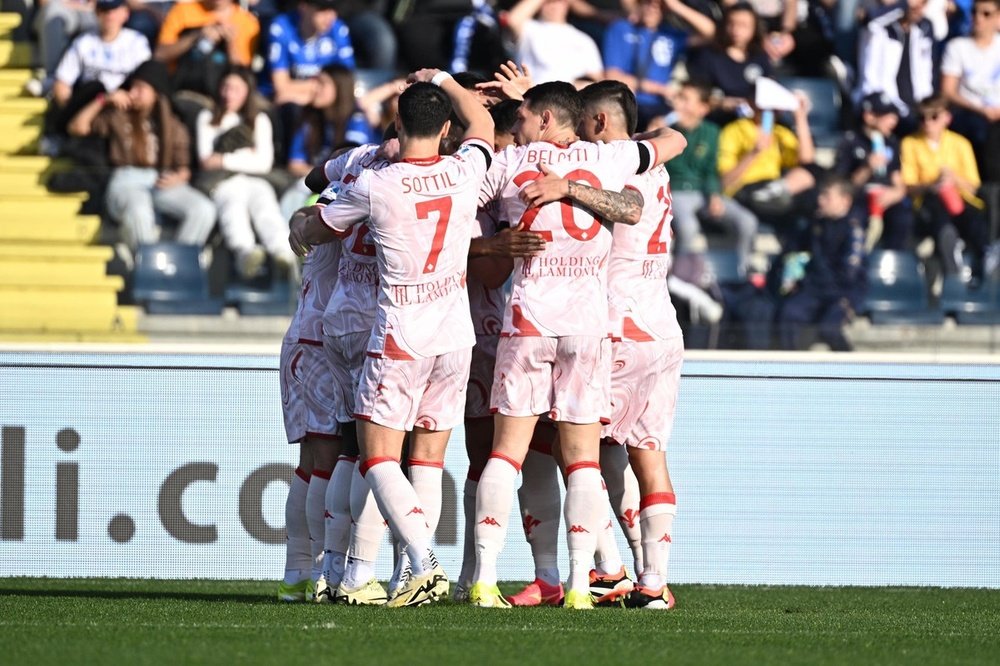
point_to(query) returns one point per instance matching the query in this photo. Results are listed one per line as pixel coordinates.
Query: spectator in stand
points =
(870, 159)
(810, 25)
(896, 57)
(641, 52)
(767, 167)
(835, 279)
(551, 48)
(56, 22)
(236, 148)
(96, 62)
(940, 173)
(694, 178)
(200, 39)
(970, 80)
(150, 154)
(734, 63)
(373, 38)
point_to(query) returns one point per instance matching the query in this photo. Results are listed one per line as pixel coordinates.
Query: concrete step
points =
(117, 320)
(14, 55)
(56, 280)
(21, 139)
(16, 105)
(30, 208)
(79, 230)
(32, 164)
(52, 254)
(13, 272)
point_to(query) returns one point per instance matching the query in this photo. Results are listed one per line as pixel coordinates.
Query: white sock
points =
(369, 526)
(469, 536)
(585, 502)
(338, 519)
(656, 516)
(426, 479)
(607, 559)
(315, 512)
(623, 492)
(400, 506)
(541, 507)
(493, 503)
(298, 557)
(358, 572)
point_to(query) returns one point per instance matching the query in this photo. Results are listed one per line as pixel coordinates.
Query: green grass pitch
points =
(101, 621)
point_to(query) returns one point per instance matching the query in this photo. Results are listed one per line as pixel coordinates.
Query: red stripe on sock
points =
(583, 464)
(413, 462)
(657, 498)
(299, 472)
(513, 463)
(474, 474)
(371, 462)
(324, 474)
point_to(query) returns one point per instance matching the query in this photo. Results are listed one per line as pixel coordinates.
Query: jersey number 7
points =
(441, 206)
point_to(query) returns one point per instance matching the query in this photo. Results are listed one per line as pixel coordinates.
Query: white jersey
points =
(638, 300)
(563, 290)
(90, 58)
(486, 305)
(319, 277)
(352, 305)
(422, 218)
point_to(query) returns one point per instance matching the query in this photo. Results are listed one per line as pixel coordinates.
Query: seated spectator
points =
(641, 52)
(96, 62)
(146, 17)
(869, 158)
(970, 81)
(835, 280)
(149, 150)
(940, 173)
(374, 41)
(694, 178)
(201, 38)
(810, 27)
(551, 48)
(734, 63)
(767, 167)
(56, 23)
(300, 44)
(236, 148)
(896, 57)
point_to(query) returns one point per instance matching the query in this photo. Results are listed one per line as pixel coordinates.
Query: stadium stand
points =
(53, 281)
(168, 279)
(897, 290)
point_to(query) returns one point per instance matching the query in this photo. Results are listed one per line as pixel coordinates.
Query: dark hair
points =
(468, 80)
(423, 109)
(251, 107)
(756, 44)
(702, 89)
(338, 114)
(836, 181)
(559, 97)
(616, 93)
(504, 115)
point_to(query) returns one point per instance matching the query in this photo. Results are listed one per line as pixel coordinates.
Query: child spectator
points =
(641, 52)
(734, 63)
(96, 62)
(694, 178)
(970, 80)
(552, 49)
(201, 38)
(236, 148)
(150, 154)
(940, 173)
(835, 280)
(56, 22)
(869, 158)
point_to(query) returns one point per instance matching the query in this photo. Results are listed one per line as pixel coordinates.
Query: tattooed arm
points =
(623, 207)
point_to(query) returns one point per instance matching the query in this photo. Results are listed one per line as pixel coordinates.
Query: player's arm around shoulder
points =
(624, 207)
(319, 224)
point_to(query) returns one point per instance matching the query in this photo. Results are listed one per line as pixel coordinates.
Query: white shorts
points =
(645, 380)
(484, 360)
(568, 378)
(345, 355)
(428, 392)
(307, 398)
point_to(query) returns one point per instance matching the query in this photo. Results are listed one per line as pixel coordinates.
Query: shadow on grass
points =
(210, 597)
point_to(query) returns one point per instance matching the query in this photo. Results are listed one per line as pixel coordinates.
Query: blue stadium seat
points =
(270, 294)
(366, 79)
(897, 290)
(979, 306)
(724, 265)
(824, 116)
(168, 279)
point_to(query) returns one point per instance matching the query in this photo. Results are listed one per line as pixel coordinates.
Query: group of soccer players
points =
(404, 330)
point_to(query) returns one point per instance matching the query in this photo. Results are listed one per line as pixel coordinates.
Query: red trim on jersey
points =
(371, 462)
(657, 498)
(324, 474)
(633, 188)
(350, 459)
(299, 472)
(474, 475)
(393, 351)
(307, 341)
(362, 417)
(422, 161)
(507, 459)
(523, 326)
(631, 331)
(583, 464)
(414, 462)
(323, 435)
(373, 354)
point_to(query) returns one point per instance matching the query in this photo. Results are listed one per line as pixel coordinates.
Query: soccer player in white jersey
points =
(421, 214)
(648, 347)
(307, 403)
(554, 353)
